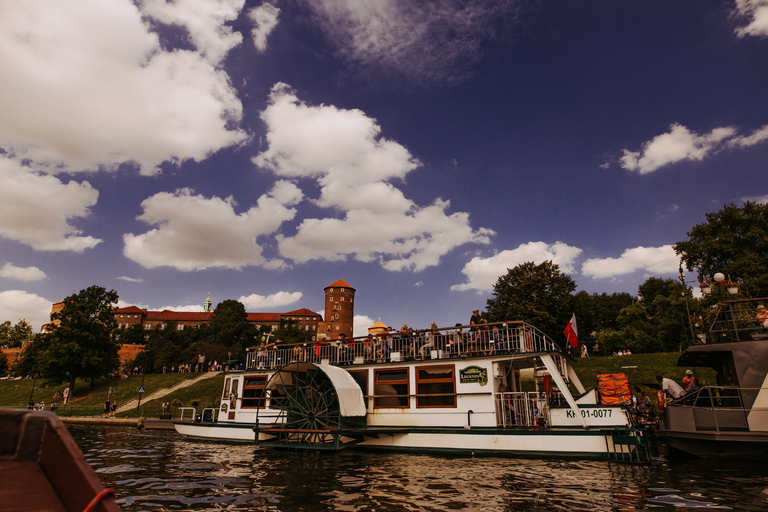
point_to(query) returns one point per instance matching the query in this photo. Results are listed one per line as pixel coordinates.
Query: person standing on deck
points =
(670, 386)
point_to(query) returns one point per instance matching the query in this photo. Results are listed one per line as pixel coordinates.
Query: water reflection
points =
(158, 470)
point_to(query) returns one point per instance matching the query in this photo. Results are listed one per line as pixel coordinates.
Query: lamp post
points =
(681, 276)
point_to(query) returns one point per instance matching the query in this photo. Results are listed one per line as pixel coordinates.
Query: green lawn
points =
(641, 370)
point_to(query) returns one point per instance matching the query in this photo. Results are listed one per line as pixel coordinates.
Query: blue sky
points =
(260, 151)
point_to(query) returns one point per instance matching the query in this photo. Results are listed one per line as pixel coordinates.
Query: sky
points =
(259, 151)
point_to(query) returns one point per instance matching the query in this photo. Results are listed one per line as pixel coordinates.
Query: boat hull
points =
(219, 431)
(747, 445)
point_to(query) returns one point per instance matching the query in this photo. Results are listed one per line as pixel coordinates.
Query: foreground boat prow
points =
(42, 468)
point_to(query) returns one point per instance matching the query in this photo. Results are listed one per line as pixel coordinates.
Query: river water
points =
(159, 470)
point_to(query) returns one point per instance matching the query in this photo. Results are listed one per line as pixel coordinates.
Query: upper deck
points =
(395, 346)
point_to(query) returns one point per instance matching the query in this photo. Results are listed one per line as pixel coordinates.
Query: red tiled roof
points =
(302, 311)
(339, 284)
(129, 309)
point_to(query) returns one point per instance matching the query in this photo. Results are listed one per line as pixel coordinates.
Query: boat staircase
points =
(129, 406)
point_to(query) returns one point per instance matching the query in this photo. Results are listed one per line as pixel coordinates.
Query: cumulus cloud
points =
(361, 325)
(19, 305)
(264, 18)
(681, 144)
(11, 271)
(426, 43)
(482, 273)
(352, 163)
(38, 209)
(258, 302)
(754, 13)
(204, 20)
(657, 260)
(87, 84)
(677, 145)
(195, 232)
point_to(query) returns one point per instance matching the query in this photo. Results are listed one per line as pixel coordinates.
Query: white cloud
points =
(256, 302)
(758, 136)
(352, 163)
(11, 271)
(195, 232)
(483, 273)
(37, 210)
(681, 144)
(756, 199)
(86, 84)
(425, 42)
(19, 305)
(361, 325)
(264, 18)
(677, 145)
(657, 260)
(204, 20)
(131, 279)
(755, 14)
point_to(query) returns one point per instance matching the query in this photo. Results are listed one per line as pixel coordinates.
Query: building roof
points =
(302, 311)
(339, 284)
(378, 325)
(130, 309)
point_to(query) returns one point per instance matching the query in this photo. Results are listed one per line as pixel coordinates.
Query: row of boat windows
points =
(435, 387)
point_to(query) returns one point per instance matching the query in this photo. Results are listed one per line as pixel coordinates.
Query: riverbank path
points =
(128, 406)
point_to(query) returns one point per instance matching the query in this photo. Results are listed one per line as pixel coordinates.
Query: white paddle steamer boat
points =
(505, 390)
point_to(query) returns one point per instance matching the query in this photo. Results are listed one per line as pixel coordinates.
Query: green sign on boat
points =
(473, 374)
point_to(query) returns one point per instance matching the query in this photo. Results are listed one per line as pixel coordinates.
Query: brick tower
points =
(339, 310)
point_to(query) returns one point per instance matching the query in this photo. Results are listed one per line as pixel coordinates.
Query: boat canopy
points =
(348, 392)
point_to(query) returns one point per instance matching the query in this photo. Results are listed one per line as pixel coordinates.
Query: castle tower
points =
(339, 310)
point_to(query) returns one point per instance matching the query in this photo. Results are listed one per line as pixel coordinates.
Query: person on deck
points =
(670, 386)
(762, 316)
(689, 382)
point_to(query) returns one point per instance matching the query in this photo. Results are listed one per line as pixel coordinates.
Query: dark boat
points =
(42, 468)
(729, 419)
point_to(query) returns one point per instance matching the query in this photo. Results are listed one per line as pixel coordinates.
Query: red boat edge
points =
(42, 468)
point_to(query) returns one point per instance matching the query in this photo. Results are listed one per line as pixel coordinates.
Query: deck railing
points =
(520, 409)
(441, 343)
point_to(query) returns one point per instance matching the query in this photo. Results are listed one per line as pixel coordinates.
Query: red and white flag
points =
(571, 333)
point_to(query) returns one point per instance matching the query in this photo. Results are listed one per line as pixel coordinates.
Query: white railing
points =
(442, 343)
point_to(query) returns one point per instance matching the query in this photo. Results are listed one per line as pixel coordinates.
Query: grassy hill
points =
(641, 370)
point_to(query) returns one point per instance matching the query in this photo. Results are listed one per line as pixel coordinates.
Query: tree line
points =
(83, 339)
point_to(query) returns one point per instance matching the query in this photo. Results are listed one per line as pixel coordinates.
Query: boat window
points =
(435, 386)
(252, 390)
(225, 394)
(390, 388)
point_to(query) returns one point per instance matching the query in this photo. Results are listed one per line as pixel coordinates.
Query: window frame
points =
(442, 380)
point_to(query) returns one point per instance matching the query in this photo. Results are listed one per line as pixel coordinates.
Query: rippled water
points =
(159, 470)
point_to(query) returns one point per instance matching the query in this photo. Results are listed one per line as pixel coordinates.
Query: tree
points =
(14, 336)
(229, 326)
(79, 343)
(654, 323)
(538, 294)
(734, 241)
(291, 332)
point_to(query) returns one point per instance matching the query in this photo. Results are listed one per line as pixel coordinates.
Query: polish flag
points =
(571, 334)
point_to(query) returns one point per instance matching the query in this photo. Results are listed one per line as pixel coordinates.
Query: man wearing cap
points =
(689, 382)
(671, 387)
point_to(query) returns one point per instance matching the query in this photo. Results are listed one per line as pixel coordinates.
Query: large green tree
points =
(14, 336)
(79, 343)
(539, 294)
(229, 326)
(734, 241)
(656, 322)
